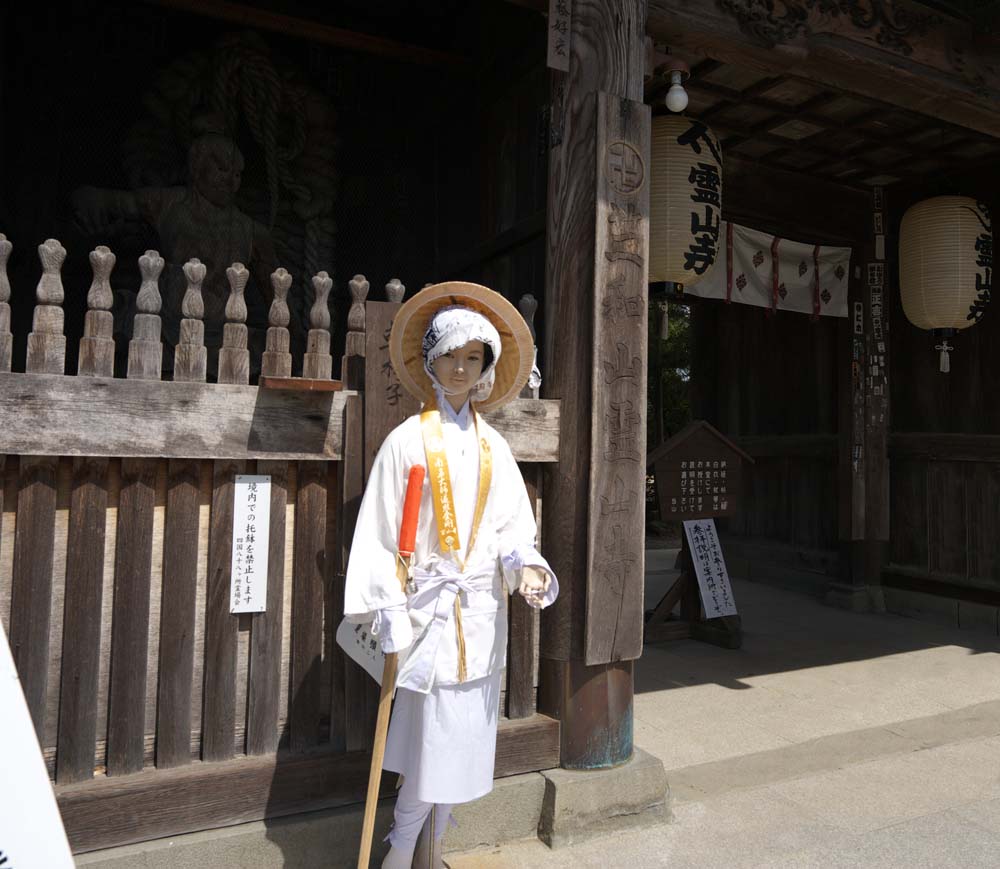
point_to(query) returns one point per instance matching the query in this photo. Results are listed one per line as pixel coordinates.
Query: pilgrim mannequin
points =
(442, 733)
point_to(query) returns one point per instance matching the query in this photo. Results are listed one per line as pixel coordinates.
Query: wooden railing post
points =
(191, 355)
(234, 357)
(318, 362)
(97, 347)
(394, 291)
(353, 364)
(6, 338)
(47, 343)
(277, 360)
(145, 352)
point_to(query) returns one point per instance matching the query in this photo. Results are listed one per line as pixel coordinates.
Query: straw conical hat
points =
(411, 322)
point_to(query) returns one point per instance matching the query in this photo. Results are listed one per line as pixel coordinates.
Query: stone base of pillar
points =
(579, 805)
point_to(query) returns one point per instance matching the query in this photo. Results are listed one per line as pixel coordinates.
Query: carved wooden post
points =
(353, 365)
(46, 343)
(145, 352)
(191, 355)
(234, 357)
(6, 338)
(97, 347)
(394, 290)
(318, 363)
(598, 155)
(277, 360)
(528, 305)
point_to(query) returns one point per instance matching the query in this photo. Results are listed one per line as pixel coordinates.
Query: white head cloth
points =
(454, 327)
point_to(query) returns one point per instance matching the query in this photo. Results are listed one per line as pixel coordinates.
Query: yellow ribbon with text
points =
(444, 503)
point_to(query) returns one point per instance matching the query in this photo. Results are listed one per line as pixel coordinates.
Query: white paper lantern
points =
(685, 222)
(945, 265)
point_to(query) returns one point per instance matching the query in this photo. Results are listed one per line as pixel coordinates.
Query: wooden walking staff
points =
(404, 565)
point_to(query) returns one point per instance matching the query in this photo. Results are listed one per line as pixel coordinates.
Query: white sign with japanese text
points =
(31, 831)
(251, 525)
(710, 568)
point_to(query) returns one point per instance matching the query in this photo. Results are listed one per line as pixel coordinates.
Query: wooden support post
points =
(864, 421)
(598, 143)
(6, 337)
(97, 346)
(34, 534)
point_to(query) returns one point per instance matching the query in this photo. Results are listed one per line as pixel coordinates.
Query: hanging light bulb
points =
(677, 98)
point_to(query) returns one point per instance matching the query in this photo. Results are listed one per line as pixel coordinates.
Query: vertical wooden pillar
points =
(864, 427)
(596, 367)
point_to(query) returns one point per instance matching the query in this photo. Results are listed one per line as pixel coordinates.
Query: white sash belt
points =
(435, 598)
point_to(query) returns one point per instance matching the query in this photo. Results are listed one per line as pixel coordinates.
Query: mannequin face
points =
(458, 371)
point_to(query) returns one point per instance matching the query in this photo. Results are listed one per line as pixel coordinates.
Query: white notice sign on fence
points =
(710, 568)
(251, 525)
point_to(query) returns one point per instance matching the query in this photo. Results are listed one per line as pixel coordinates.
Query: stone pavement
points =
(831, 739)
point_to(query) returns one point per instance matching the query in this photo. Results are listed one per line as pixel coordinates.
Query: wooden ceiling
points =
(791, 123)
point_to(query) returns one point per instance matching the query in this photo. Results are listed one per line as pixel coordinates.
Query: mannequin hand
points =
(534, 584)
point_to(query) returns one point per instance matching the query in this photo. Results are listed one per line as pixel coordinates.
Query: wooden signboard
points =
(388, 403)
(698, 476)
(618, 385)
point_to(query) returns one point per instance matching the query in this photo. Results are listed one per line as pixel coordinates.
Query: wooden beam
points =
(830, 51)
(945, 447)
(53, 415)
(314, 31)
(121, 810)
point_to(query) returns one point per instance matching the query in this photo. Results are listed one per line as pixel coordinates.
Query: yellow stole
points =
(444, 503)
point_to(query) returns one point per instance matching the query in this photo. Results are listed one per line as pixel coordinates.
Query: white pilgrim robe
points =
(443, 733)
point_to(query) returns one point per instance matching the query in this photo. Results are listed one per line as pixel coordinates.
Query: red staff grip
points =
(411, 511)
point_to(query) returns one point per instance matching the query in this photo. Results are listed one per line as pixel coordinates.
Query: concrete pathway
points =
(830, 739)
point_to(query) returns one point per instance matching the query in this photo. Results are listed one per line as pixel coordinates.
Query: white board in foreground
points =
(251, 530)
(31, 831)
(710, 568)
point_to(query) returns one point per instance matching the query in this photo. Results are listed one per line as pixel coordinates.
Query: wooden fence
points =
(158, 711)
(945, 510)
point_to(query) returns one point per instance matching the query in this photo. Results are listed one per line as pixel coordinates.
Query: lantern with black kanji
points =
(945, 266)
(685, 203)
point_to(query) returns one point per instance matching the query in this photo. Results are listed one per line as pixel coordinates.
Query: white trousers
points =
(410, 815)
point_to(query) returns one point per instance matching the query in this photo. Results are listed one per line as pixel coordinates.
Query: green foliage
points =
(670, 363)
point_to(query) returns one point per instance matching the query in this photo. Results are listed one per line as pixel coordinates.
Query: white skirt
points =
(444, 742)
